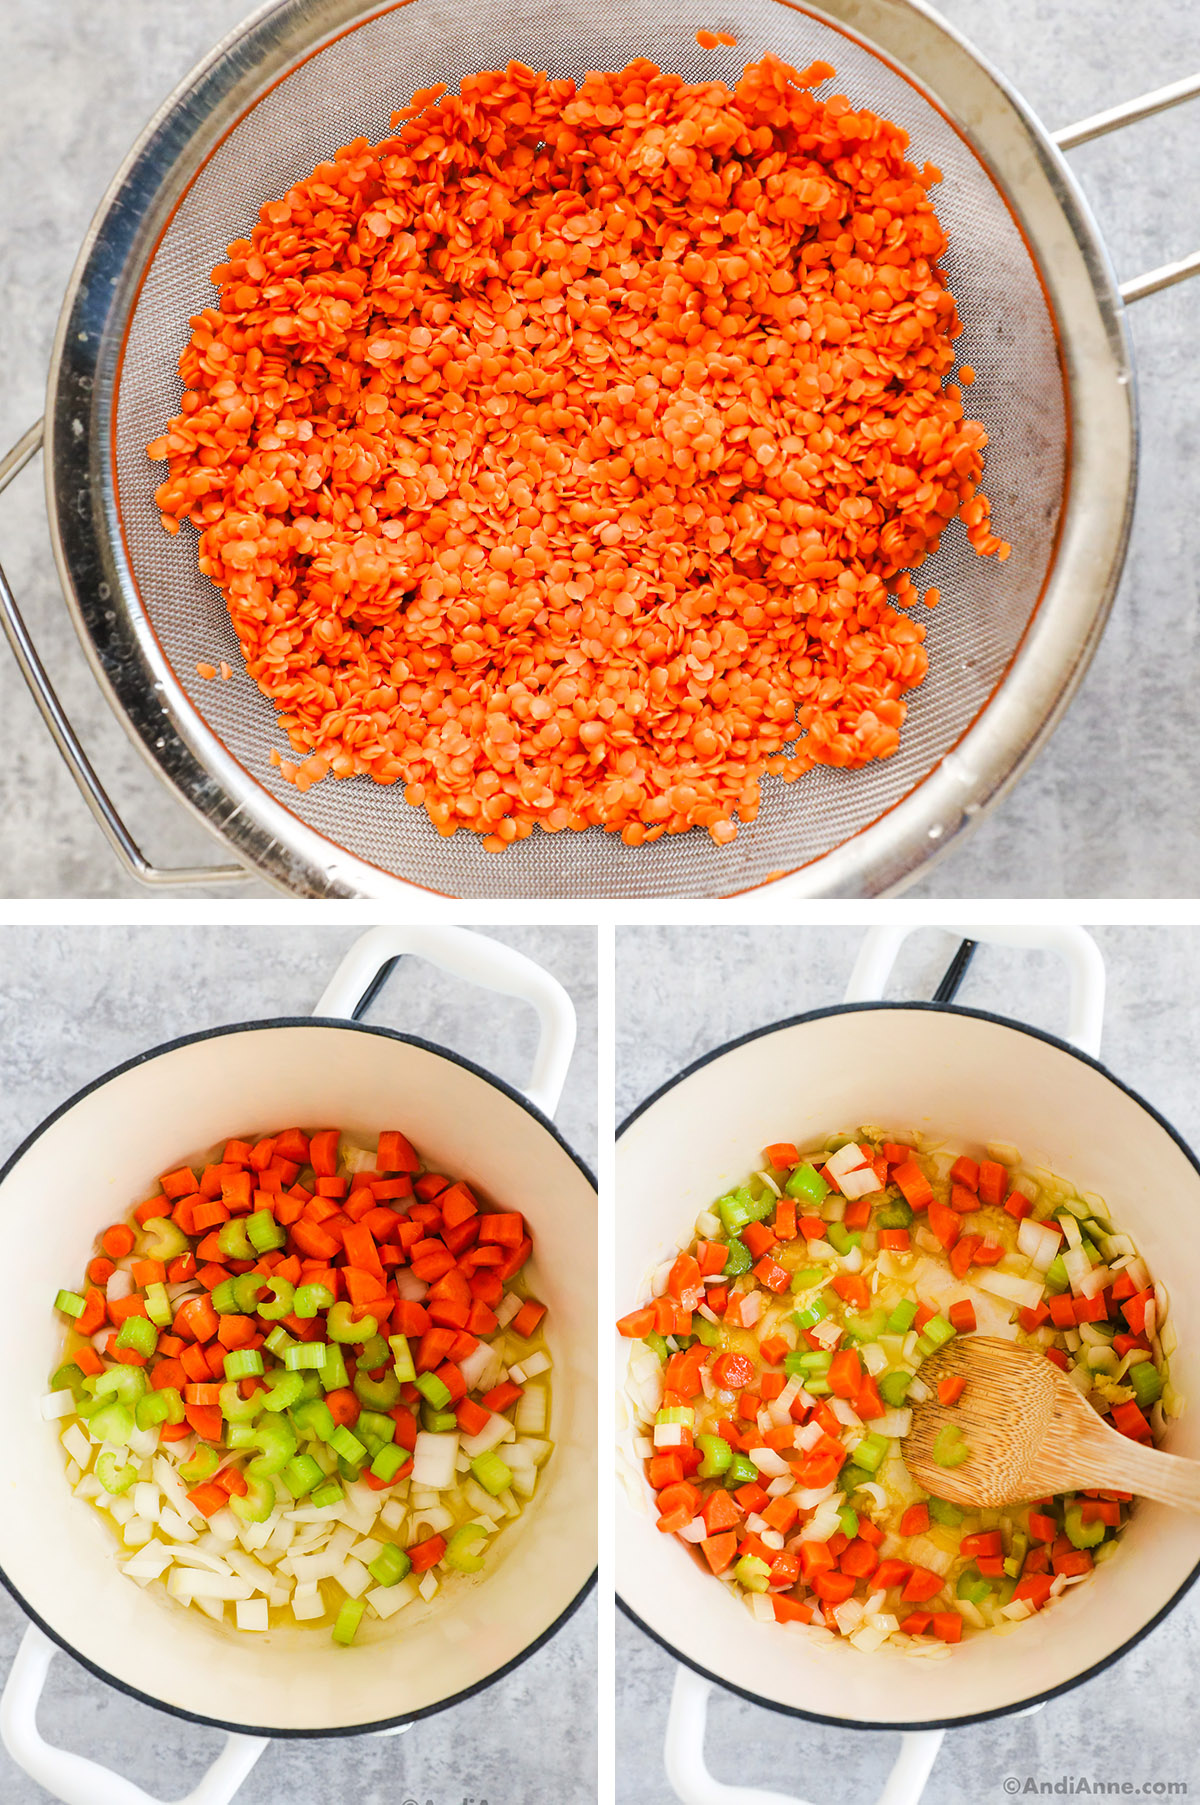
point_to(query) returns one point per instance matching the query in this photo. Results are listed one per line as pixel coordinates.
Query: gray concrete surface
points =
(73, 1003)
(680, 995)
(1110, 806)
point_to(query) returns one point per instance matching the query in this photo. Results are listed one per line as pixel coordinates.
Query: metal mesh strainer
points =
(1042, 329)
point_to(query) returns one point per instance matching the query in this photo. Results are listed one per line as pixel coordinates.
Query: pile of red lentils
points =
(562, 457)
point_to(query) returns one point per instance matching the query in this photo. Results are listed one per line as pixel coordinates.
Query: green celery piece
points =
(852, 1476)
(867, 1328)
(870, 1452)
(848, 1521)
(334, 1376)
(256, 1505)
(244, 1363)
(896, 1214)
(942, 1511)
(1079, 1533)
(491, 1472)
(841, 1239)
(310, 1299)
(300, 1474)
(737, 1259)
(231, 1238)
(433, 1389)
(1055, 1277)
(128, 1383)
(811, 1314)
(391, 1565)
(284, 1389)
(718, 1456)
(460, 1548)
(402, 1360)
(70, 1303)
(752, 1573)
(949, 1449)
(388, 1461)
(972, 1586)
(939, 1331)
(279, 1304)
(138, 1333)
(163, 1239)
(347, 1446)
(378, 1394)
(1146, 1381)
(657, 1345)
(314, 1418)
(112, 1423)
(740, 1471)
(340, 1325)
(306, 1356)
(202, 1464)
(263, 1232)
(733, 1213)
(113, 1478)
(237, 1409)
(807, 1278)
(902, 1317)
(277, 1440)
(705, 1332)
(437, 1422)
(806, 1184)
(893, 1388)
(348, 1619)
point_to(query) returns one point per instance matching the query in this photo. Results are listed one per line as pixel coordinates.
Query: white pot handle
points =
(77, 1781)
(1085, 1021)
(480, 960)
(692, 1782)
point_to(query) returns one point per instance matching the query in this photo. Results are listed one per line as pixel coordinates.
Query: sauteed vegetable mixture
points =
(782, 1350)
(305, 1378)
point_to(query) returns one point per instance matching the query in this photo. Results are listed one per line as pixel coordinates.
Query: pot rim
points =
(378, 1725)
(1044, 1695)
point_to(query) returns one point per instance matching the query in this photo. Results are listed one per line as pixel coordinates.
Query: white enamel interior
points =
(970, 1080)
(96, 1160)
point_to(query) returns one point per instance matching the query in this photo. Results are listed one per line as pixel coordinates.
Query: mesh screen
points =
(351, 87)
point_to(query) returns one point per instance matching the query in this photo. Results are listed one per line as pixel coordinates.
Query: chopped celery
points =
(893, 1388)
(939, 1331)
(69, 1377)
(113, 1422)
(158, 1407)
(70, 1303)
(734, 1213)
(276, 1439)
(870, 1452)
(402, 1360)
(391, 1564)
(806, 1184)
(752, 1573)
(348, 1619)
(807, 1277)
(246, 1288)
(340, 1325)
(158, 1305)
(327, 1494)
(113, 1478)
(264, 1232)
(1079, 1533)
(492, 1473)
(310, 1299)
(128, 1383)
(718, 1456)
(138, 1333)
(1146, 1381)
(866, 1328)
(852, 1476)
(437, 1422)
(279, 1304)
(314, 1418)
(388, 1461)
(737, 1259)
(972, 1586)
(1055, 1277)
(896, 1214)
(811, 1314)
(460, 1549)
(902, 1318)
(163, 1239)
(306, 1356)
(278, 1342)
(224, 1298)
(347, 1446)
(740, 1471)
(300, 1474)
(433, 1389)
(949, 1449)
(284, 1389)
(848, 1521)
(202, 1464)
(378, 1394)
(842, 1239)
(707, 1333)
(942, 1511)
(334, 1376)
(231, 1238)
(237, 1409)
(244, 1363)
(256, 1503)
(657, 1345)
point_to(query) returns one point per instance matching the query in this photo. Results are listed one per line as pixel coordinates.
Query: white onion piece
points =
(694, 1531)
(1025, 1292)
(1038, 1243)
(767, 1461)
(120, 1284)
(433, 1460)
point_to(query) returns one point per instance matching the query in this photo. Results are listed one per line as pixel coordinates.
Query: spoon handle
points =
(1115, 1463)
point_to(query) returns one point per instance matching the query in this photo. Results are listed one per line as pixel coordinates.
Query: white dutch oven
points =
(87, 1164)
(972, 1078)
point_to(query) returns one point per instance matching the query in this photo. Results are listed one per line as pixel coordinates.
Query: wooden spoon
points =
(1030, 1435)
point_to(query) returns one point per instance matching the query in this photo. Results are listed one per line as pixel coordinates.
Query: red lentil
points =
(560, 457)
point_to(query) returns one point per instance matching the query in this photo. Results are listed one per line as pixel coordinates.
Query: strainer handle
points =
(478, 959)
(1085, 1019)
(37, 680)
(694, 1785)
(73, 1779)
(1128, 112)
